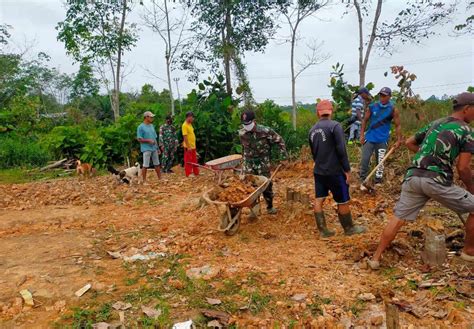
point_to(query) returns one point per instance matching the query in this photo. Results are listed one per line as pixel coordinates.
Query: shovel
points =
(365, 184)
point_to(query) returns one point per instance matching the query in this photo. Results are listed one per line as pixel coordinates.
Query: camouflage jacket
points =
(440, 144)
(167, 137)
(257, 145)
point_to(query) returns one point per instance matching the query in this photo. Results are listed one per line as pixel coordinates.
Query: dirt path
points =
(54, 238)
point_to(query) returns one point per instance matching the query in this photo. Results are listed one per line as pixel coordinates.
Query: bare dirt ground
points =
(57, 236)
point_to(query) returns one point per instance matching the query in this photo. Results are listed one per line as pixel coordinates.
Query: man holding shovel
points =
(331, 170)
(437, 147)
(378, 121)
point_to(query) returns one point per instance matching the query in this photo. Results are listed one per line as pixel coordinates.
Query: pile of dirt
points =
(234, 189)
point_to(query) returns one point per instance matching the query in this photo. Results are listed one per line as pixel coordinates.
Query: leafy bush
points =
(17, 151)
(66, 141)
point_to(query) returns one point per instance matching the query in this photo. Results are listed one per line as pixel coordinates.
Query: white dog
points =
(127, 175)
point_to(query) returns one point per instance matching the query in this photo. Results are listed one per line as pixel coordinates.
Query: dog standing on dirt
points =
(127, 175)
(84, 169)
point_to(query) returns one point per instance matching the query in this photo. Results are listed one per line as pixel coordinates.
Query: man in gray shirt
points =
(331, 170)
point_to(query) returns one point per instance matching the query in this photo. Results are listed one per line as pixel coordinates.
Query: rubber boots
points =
(321, 224)
(348, 225)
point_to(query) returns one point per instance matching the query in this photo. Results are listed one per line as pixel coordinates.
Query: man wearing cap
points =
(257, 142)
(331, 170)
(168, 144)
(437, 147)
(146, 135)
(189, 144)
(358, 106)
(378, 121)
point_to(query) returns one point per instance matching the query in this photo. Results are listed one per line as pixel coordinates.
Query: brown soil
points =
(55, 235)
(234, 189)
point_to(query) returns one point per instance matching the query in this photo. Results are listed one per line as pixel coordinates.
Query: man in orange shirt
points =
(189, 144)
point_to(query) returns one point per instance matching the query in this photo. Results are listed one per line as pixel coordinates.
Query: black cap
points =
(169, 117)
(247, 117)
(189, 114)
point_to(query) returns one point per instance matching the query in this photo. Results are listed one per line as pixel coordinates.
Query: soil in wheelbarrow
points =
(234, 189)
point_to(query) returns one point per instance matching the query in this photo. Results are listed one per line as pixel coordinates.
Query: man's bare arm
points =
(412, 145)
(364, 124)
(464, 170)
(186, 144)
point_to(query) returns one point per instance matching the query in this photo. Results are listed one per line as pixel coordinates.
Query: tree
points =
(295, 12)
(166, 20)
(224, 31)
(97, 31)
(84, 83)
(413, 23)
(4, 34)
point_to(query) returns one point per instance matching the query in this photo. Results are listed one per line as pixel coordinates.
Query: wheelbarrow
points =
(232, 211)
(218, 166)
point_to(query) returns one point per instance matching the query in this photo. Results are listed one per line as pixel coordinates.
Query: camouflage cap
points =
(462, 99)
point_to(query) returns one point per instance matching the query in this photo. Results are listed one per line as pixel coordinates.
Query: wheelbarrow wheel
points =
(225, 221)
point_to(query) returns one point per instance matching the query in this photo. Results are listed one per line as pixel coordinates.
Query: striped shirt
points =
(358, 104)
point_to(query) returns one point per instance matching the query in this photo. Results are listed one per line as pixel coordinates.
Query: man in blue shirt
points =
(146, 135)
(358, 108)
(378, 121)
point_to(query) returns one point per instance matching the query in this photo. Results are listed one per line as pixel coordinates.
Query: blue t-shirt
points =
(380, 122)
(147, 132)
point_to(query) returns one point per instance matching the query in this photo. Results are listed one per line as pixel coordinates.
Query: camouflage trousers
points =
(167, 158)
(261, 171)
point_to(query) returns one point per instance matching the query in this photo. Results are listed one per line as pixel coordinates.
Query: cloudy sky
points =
(444, 64)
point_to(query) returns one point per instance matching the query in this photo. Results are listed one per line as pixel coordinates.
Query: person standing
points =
(257, 142)
(168, 144)
(358, 108)
(189, 144)
(146, 135)
(378, 121)
(430, 176)
(331, 170)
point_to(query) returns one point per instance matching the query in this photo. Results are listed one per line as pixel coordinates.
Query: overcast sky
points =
(444, 64)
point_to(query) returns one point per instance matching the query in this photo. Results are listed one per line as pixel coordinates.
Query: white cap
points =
(148, 114)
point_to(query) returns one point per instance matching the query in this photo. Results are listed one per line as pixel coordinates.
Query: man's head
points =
(248, 120)
(463, 106)
(169, 119)
(364, 93)
(190, 117)
(148, 117)
(385, 94)
(324, 109)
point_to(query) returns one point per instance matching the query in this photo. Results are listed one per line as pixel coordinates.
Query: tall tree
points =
(169, 22)
(295, 12)
(467, 27)
(99, 32)
(416, 21)
(84, 83)
(224, 31)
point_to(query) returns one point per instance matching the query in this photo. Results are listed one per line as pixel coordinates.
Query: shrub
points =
(66, 141)
(16, 151)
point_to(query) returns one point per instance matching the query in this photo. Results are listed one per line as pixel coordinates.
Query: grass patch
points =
(357, 307)
(315, 306)
(23, 175)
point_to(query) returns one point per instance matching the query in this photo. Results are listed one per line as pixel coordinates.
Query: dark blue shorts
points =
(335, 183)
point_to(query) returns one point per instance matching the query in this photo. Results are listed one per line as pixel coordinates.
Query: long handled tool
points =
(366, 180)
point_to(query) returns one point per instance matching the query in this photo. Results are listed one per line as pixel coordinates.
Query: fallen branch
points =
(54, 165)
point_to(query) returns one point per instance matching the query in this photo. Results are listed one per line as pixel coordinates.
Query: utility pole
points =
(179, 96)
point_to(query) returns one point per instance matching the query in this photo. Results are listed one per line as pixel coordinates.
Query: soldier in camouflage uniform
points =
(257, 141)
(168, 142)
(430, 176)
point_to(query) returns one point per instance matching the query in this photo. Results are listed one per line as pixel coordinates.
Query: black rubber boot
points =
(321, 224)
(348, 225)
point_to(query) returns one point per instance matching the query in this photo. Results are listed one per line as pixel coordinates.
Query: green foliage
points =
(119, 139)
(84, 83)
(66, 141)
(17, 151)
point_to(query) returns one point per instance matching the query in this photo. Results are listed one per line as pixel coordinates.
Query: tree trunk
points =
(373, 35)
(361, 45)
(293, 79)
(116, 97)
(226, 33)
(168, 57)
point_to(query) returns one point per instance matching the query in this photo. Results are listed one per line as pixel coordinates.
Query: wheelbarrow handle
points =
(275, 172)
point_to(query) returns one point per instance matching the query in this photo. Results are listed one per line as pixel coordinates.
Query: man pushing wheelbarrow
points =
(257, 142)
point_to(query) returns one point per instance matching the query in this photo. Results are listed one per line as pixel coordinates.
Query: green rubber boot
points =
(348, 225)
(321, 224)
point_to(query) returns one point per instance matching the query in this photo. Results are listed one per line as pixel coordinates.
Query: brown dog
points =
(84, 169)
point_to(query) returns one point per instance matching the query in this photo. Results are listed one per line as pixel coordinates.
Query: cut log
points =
(392, 316)
(54, 165)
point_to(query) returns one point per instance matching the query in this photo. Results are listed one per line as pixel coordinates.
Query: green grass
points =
(20, 175)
